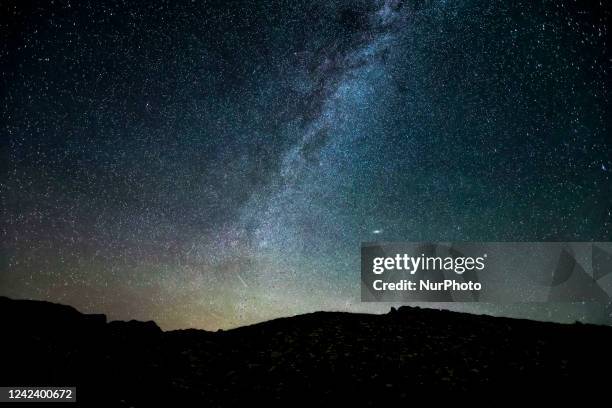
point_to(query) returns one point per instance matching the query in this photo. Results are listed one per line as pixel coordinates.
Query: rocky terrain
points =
(320, 357)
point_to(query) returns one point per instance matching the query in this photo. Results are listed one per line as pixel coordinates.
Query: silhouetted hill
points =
(354, 358)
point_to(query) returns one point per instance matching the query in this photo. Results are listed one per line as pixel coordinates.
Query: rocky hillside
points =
(353, 358)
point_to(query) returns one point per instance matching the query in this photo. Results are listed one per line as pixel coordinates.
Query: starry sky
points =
(212, 164)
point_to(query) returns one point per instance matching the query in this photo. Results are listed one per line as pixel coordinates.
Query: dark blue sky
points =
(212, 164)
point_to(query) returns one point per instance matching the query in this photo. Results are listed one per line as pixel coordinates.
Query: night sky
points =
(214, 164)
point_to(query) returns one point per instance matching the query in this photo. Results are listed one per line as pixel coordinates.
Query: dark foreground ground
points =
(354, 358)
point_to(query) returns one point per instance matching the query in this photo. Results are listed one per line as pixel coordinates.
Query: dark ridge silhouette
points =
(321, 357)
